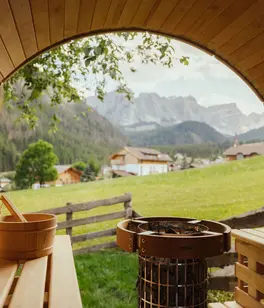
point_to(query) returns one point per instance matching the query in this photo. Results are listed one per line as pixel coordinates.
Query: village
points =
(133, 161)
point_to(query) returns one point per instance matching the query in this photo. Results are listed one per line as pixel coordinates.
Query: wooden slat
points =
(247, 34)
(89, 205)
(246, 50)
(22, 14)
(248, 274)
(256, 72)
(114, 13)
(254, 232)
(64, 290)
(252, 60)
(86, 13)
(30, 288)
(143, 11)
(93, 235)
(100, 13)
(160, 15)
(250, 251)
(7, 275)
(128, 12)
(6, 65)
(214, 10)
(72, 8)
(233, 11)
(40, 14)
(248, 238)
(56, 18)
(246, 300)
(90, 220)
(192, 16)
(9, 34)
(94, 248)
(237, 25)
(182, 7)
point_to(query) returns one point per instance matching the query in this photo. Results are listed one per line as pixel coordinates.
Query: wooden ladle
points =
(12, 209)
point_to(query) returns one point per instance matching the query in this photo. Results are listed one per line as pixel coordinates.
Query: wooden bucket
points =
(27, 240)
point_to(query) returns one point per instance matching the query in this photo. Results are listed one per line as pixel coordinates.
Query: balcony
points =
(117, 162)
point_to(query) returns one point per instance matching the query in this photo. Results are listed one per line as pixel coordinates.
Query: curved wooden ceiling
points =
(232, 30)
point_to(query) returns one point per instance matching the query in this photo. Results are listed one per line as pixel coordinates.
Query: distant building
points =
(67, 175)
(238, 152)
(139, 161)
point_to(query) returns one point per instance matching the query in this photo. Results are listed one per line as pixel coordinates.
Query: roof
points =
(62, 168)
(232, 30)
(122, 173)
(246, 149)
(145, 154)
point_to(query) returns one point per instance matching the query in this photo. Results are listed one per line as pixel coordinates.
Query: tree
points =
(88, 174)
(36, 165)
(79, 165)
(94, 164)
(60, 72)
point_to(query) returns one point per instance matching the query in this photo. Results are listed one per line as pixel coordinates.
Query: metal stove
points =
(172, 256)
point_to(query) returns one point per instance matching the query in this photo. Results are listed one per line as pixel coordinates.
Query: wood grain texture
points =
(114, 13)
(145, 8)
(89, 205)
(30, 288)
(56, 19)
(93, 235)
(243, 37)
(182, 7)
(86, 13)
(90, 220)
(161, 13)
(247, 237)
(7, 274)
(252, 60)
(9, 34)
(250, 251)
(64, 290)
(40, 13)
(100, 12)
(72, 8)
(6, 65)
(22, 13)
(246, 300)
(230, 13)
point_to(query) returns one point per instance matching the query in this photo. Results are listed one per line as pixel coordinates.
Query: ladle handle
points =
(12, 209)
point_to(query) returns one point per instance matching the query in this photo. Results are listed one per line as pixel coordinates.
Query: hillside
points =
(148, 111)
(75, 139)
(189, 132)
(252, 135)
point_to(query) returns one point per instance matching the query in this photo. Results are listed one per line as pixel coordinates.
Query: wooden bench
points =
(45, 282)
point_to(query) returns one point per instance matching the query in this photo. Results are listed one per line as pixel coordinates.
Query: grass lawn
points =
(108, 279)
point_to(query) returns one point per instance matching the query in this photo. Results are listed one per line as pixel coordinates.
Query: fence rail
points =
(222, 279)
(70, 223)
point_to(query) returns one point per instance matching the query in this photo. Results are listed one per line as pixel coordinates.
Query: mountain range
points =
(150, 111)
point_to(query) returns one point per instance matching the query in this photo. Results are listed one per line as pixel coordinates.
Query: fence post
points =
(69, 218)
(128, 206)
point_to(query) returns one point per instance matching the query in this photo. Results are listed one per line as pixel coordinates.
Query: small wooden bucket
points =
(27, 240)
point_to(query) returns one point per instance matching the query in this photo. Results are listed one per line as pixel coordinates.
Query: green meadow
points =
(108, 279)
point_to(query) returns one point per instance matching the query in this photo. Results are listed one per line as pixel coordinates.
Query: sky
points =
(205, 78)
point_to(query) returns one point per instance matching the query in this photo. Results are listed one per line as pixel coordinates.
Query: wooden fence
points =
(222, 279)
(70, 223)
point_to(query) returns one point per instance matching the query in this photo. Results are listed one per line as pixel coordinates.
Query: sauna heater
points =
(172, 252)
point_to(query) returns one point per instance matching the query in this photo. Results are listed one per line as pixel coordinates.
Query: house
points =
(67, 175)
(241, 151)
(139, 161)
